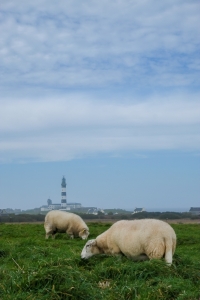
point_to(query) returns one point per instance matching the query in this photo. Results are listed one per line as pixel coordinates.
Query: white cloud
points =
(98, 44)
(62, 129)
(80, 110)
(107, 52)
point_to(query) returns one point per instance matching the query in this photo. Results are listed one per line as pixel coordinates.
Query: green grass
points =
(34, 268)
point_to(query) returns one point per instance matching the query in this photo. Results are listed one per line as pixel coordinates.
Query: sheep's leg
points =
(70, 233)
(161, 250)
(48, 229)
(169, 252)
(155, 250)
(168, 257)
(48, 233)
(47, 236)
(53, 235)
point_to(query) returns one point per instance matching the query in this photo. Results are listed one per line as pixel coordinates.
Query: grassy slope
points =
(34, 268)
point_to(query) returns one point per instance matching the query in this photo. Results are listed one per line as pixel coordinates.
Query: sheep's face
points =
(84, 234)
(90, 249)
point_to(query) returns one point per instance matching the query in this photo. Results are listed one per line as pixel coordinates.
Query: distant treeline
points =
(12, 218)
(142, 215)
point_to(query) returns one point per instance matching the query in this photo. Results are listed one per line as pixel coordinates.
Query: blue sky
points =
(105, 93)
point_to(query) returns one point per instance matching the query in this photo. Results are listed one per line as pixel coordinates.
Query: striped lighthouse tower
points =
(63, 193)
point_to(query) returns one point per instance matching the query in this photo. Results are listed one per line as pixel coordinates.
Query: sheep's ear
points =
(93, 242)
(84, 231)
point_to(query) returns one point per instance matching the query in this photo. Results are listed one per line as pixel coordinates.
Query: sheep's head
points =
(90, 249)
(84, 234)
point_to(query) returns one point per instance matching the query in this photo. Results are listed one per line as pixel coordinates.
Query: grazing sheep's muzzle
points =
(83, 254)
(84, 234)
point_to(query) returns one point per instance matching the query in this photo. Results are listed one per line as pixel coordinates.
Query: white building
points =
(138, 210)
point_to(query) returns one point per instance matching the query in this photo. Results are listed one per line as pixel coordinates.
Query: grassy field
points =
(34, 268)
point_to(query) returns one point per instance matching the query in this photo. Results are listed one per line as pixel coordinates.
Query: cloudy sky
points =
(106, 93)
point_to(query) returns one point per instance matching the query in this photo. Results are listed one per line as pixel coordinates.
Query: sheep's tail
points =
(170, 246)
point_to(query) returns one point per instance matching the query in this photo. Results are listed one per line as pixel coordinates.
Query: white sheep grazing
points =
(137, 239)
(61, 221)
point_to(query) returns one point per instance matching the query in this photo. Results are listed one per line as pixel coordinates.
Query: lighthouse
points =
(63, 193)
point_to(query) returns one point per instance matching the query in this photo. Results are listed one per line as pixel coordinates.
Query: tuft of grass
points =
(34, 268)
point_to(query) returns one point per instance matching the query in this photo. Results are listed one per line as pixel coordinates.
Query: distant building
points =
(138, 210)
(73, 205)
(63, 205)
(195, 211)
(94, 210)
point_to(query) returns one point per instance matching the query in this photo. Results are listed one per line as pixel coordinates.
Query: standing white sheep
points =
(61, 221)
(137, 239)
